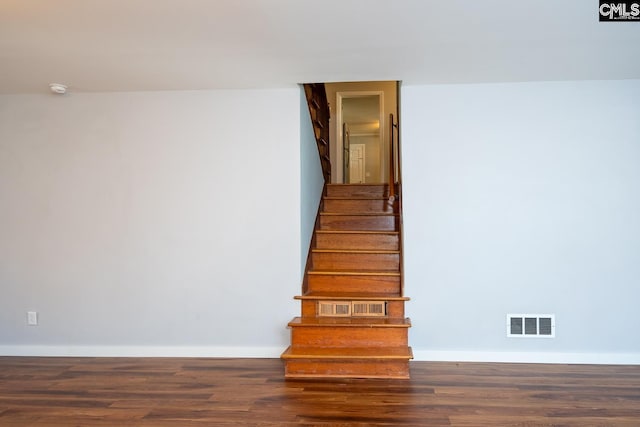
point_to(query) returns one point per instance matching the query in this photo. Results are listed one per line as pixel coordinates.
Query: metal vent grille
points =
(531, 325)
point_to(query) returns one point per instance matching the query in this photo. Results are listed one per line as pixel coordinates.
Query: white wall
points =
(149, 223)
(146, 224)
(523, 198)
(311, 180)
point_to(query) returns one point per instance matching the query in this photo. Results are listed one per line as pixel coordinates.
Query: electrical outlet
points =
(32, 318)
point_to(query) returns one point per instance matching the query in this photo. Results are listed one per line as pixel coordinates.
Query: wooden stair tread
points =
(381, 198)
(368, 232)
(351, 296)
(377, 186)
(403, 353)
(354, 251)
(354, 273)
(358, 214)
(358, 184)
(351, 322)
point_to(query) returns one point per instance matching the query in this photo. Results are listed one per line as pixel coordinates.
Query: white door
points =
(356, 164)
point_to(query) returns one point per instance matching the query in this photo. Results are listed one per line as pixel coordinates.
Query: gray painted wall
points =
(523, 198)
(148, 223)
(311, 180)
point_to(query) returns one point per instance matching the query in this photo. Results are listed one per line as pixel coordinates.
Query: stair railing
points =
(319, 111)
(395, 186)
(394, 159)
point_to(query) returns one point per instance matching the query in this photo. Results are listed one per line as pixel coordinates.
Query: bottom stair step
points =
(380, 353)
(312, 362)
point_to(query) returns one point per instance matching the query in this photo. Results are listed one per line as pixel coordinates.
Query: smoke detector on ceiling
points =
(58, 88)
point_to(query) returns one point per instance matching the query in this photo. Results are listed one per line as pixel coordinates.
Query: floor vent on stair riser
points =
(352, 308)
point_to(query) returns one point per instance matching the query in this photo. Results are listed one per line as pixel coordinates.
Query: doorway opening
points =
(361, 116)
(359, 130)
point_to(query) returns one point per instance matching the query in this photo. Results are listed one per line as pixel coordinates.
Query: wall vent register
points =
(352, 308)
(531, 325)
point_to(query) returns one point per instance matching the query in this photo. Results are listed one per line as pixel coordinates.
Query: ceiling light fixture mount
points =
(58, 88)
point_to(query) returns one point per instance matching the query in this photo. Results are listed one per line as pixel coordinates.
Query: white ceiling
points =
(126, 45)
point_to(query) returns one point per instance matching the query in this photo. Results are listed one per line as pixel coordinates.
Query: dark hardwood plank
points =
(160, 392)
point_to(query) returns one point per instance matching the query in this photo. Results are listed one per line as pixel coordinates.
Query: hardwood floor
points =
(66, 392)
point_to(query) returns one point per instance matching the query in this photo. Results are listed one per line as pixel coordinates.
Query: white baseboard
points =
(139, 351)
(528, 357)
(274, 352)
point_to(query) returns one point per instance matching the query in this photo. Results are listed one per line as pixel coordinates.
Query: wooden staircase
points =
(352, 322)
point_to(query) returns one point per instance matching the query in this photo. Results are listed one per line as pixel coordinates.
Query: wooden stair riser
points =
(367, 190)
(364, 241)
(346, 337)
(358, 205)
(359, 222)
(355, 261)
(355, 284)
(395, 309)
(322, 368)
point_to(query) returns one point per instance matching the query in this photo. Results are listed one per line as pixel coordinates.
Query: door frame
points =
(340, 143)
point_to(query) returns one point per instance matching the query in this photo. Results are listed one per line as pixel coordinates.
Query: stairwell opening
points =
(359, 114)
(352, 321)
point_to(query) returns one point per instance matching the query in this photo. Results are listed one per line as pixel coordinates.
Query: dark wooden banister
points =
(394, 159)
(395, 186)
(319, 112)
